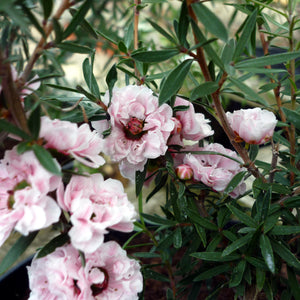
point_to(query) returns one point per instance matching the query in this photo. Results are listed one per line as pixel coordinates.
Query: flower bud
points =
(184, 172)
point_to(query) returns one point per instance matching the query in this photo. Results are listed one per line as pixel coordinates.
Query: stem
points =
(218, 106)
(42, 43)
(136, 34)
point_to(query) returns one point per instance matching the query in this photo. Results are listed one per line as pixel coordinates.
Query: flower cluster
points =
(107, 274)
(25, 204)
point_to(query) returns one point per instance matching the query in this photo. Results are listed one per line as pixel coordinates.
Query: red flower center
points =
(98, 288)
(134, 129)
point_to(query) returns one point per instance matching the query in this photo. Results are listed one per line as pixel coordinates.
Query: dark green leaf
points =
(64, 88)
(272, 59)
(154, 56)
(166, 241)
(249, 92)
(89, 77)
(246, 35)
(146, 254)
(8, 127)
(183, 24)
(234, 182)
(285, 230)
(207, 47)
(293, 283)
(177, 238)
(162, 31)
(154, 219)
(215, 256)
(77, 18)
(47, 8)
(267, 252)
(158, 187)
(257, 263)
(212, 272)
(16, 251)
(147, 273)
(139, 180)
(237, 274)
(260, 278)
(211, 22)
(46, 159)
(122, 47)
(253, 151)
(111, 79)
(75, 48)
(34, 122)
(286, 254)
(202, 233)
(196, 218)
(237, 244)
(204, 89)
(56, 242)
(292, 116)
(242, 216)
(57, 30)
(174, 81)
(292, 202)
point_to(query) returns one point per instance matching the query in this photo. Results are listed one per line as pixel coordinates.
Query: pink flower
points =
(254, 126)
(24, 203)
(95, 204)
(80, 142)
(139, 128)
(192, 126)
(216, 171)
(184, 172)
(108, 274)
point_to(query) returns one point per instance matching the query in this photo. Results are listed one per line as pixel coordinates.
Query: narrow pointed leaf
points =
(237, 274)
(154, 56)
(204, 89)
(46, 159)
(285, 230)
(272, 59)
(16, 251)
(242, 216)
(162, 31)
(237, 244)
(212, 272)
(215, 256)
(56, 242)
(246, 35)
(267, 252)
(234, 182)
(6, 126)
(195, 217)
(174, 81)
(47, 8)
(211, 22)
(74, 48)
(292, 116)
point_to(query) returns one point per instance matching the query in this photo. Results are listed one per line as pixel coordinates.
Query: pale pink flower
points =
(95, 204)
(24, 203)
(80, 142)
(108, 274)
(192, 126)
(139, 128)
(216, 171)
(254, 126)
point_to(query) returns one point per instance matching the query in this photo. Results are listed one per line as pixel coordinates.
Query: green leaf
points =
(292, 116)
(147, 273)
(90, 78)
(267, 252)
(286, 254)
(212, 272)
(196, 218)
(146, 254)
(237, 274)
(56, 242)
(34, 122)
(162, 31)
(47, 8)
(75, 48)
(211, 22)
(257, 263)
(139, 180)
(237, 244)
(263, 61)
(46, 159)
(202, 233)
(154, 56)
(285, 230)
(111, 79)
(293, 283)
(183, 24)
(174, 81)
(260, 278)
(246, 35)
(8, 127)
(249, 92)
(234, 182)
(122, 47)
(77, 18)
(57, 30)
(207, 47)
(215, 256)
(292, 202)
(154, 219)
(166, 241)
(204, 89)
(253, 151)
(177, 238)
(16, 251)
(242, 216)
